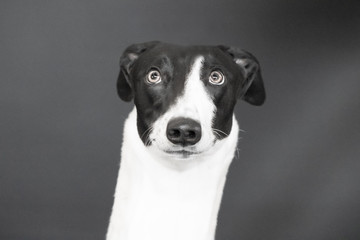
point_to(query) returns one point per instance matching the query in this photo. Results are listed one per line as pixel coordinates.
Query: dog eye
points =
(216, 78)
(153, 77)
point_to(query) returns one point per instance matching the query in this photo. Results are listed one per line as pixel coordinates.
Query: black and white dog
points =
(180, 138)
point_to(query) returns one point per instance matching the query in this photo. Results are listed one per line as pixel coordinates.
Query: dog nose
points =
(183, 131)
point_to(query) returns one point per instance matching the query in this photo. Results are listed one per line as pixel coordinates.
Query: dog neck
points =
(166, 199)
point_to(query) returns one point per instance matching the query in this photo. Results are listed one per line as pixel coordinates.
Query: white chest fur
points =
(163, 199)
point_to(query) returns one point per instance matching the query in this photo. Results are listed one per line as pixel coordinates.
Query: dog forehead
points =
(179, 55)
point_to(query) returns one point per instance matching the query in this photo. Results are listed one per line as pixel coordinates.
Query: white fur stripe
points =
(195, 103)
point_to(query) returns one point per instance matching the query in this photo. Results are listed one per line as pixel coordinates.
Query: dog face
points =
(185, 96)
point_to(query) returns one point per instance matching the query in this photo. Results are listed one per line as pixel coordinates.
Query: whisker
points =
(147, 131)
(218, 131)
(148, 142)
(237, 154)
(217, 134)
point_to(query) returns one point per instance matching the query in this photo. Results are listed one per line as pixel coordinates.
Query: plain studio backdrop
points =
(297, 172)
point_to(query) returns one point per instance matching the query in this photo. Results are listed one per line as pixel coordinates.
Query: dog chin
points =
(184, 153)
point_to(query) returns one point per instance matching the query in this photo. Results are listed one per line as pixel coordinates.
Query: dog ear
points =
(128, 58)
(252, 90)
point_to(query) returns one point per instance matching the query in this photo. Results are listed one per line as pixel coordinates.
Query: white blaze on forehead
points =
(195, 71)
(195, 98)
(195, 103)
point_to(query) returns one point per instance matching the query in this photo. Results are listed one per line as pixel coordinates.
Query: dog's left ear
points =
(128, 58)
(252, 90)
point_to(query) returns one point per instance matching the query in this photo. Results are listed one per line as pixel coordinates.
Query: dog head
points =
(185, 96)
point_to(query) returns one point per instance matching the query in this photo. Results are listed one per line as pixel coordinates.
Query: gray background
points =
(297, 175)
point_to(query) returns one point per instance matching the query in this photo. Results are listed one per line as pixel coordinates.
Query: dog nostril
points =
(174, 133)
(190, 134)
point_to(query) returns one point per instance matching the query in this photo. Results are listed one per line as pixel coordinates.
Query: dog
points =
(180, 138)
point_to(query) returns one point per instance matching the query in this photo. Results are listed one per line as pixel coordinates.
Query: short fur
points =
(169, 190)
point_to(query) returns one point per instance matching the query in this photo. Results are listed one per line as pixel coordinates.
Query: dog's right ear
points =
(128, 58)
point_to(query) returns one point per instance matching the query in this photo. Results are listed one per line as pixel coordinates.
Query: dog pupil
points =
(215, 76)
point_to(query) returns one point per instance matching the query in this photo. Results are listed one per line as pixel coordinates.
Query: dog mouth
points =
(181, 153)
